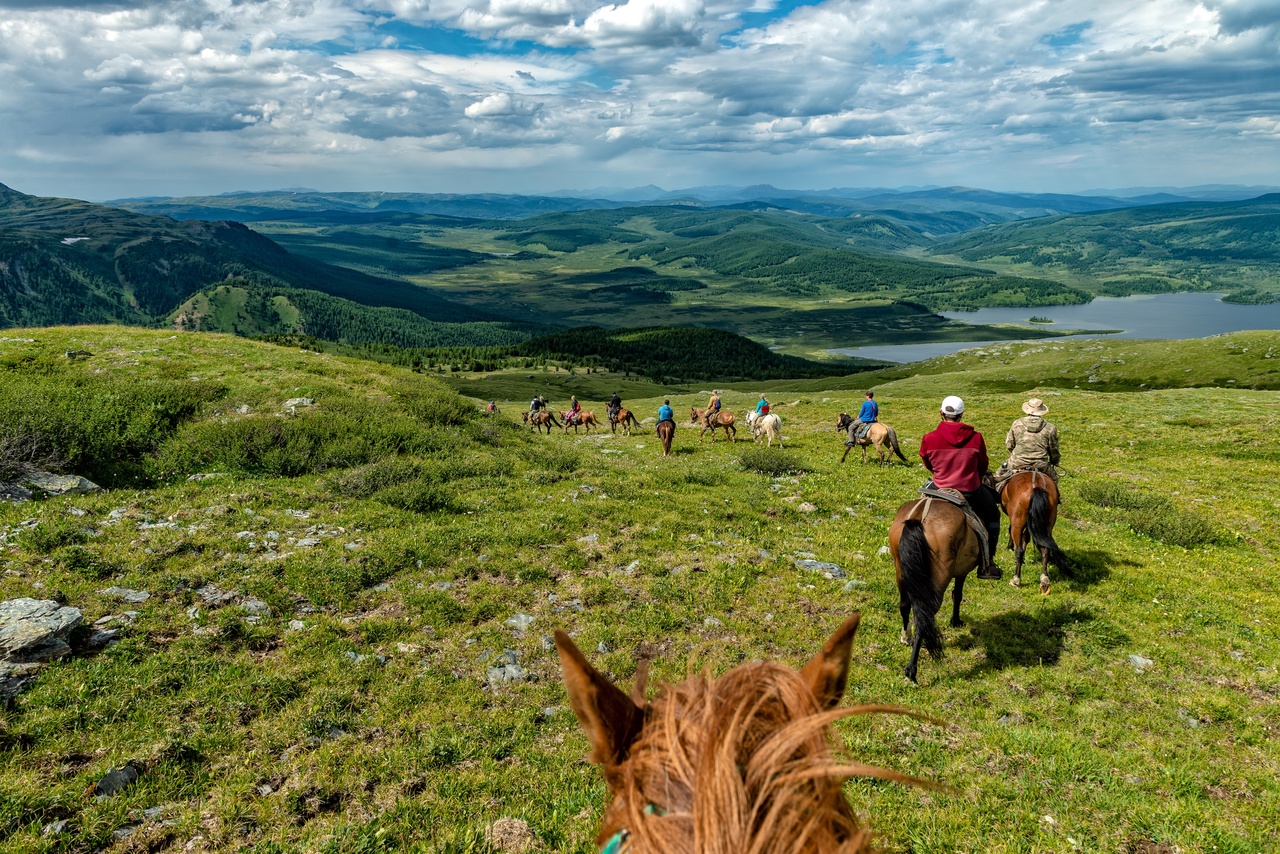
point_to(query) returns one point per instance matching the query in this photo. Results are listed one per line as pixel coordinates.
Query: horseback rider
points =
(1032, 443)
(713, 409)
(536, 405)
(615, 406)
(575, 409)
(762, 408)
(868, 415)
(666, 413)
(956, 455)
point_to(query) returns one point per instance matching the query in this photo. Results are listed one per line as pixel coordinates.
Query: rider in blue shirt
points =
(867, 415)
(762, 408)
(665, 412)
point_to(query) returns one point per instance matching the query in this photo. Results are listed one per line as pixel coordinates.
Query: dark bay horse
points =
(1030, 499)
(742, 763)
(724, 418)
(884, 437)
(624, 418)
(541, 418)
(666, 432)
(931, 542)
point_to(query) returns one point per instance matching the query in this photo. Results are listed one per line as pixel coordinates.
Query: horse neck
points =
(740, 764)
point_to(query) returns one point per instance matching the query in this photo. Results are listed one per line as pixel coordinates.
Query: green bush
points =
(366, 480)
(770, 462)
(1153, 516)
(421, 495)
(51, 535)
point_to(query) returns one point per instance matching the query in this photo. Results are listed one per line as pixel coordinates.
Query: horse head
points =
(742, 762)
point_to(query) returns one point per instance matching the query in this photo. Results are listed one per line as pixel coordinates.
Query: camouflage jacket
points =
(1032, 443)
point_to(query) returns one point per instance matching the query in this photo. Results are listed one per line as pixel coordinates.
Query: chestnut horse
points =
(724, 418)
(624, 418)
(742, 763)
(586, 418)
(931, 542)
(1030, 498)
(666, 432)
(882, 436)
(541, 418)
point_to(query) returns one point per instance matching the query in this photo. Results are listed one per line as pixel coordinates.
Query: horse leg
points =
(904, 608)
(1018, 537)
(911, 668)
(957, 595)
(847, 449)
(1044, 571)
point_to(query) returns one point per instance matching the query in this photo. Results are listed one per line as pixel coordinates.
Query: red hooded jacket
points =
(956, 455)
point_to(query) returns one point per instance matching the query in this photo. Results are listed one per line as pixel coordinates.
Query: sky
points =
(105, 99)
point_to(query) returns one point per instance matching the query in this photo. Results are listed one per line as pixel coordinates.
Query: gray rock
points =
(603, 648)
(519, 622)
(54, 828)
(16, 678)
(712, 623)
(215, 597)
(1139, 663)
(589, 538)
(61, 484)
(33, 630)
(831, 570)
(507, 673)
(442, 585)
(296, 626)
(853, 583)
(99, 638)
(256, 608)
(308, 542)
(133, 597)
(884, 550)
(14, 492)
(295, 402)
(548, 643)
(115, 780)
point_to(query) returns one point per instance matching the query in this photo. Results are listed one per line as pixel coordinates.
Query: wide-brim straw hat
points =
(1035, 406)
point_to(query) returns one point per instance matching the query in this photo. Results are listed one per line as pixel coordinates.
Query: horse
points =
(624, 417)
(666, 432)
(769, 426)
(882, 436)
(1030, 499)
(724, 418)
(742, 763)
(586, 418)
(931, 542)
(541, 418)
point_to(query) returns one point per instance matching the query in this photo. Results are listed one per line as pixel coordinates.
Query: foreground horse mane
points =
(743, 764)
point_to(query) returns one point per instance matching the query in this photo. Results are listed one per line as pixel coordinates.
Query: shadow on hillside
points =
(1022, 639)
(1085, 568)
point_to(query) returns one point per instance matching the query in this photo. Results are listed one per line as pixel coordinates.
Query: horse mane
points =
(743, 764)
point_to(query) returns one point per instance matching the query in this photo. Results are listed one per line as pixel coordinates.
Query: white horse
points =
(770, 426)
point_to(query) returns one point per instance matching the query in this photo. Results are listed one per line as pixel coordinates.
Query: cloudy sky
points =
(112, 98)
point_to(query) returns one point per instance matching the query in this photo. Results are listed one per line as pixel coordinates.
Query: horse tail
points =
(893, 443)
(1038, 526)
(915, 561)
(553, 418)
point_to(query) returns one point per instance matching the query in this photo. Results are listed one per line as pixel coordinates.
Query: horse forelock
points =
(742, 764)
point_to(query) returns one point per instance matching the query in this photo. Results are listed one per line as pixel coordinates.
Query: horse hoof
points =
(910, 673)
(1044, 587)
(1015, 582)
(905, 639)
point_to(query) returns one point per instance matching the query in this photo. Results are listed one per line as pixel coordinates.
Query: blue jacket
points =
(666, 413)
(870, 412)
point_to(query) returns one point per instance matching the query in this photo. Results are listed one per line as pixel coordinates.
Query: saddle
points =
(954, 496)
(1001, 476)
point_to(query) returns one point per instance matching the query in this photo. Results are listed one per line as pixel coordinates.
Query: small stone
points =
(256, 608)
(507, 673)
(115, 780)
(831, 570)
(884, 551)
(589, 538)
(548, 643)
(265, 790)
(295, 402)
(1139, 663)
(308, 542)
(712, 623)
(54, 828)
(124, 832)
(550, 711)
(1188, 719)
(519, 622)
(1236, 654)
(442, 585)
(603, 648)
(133, 597)
(296, 625)
(852, 584)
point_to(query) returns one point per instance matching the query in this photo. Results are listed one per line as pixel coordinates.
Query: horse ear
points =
(828, 672)
(610, 718)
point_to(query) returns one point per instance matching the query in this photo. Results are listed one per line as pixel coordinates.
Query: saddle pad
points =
(945, 493)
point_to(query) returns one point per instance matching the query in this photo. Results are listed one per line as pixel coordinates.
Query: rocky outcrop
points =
(43, 483)
(32, 631)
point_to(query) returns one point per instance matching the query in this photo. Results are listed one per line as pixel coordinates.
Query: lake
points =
(1155, 316)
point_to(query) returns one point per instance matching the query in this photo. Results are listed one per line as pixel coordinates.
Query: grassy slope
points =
(1046, 715)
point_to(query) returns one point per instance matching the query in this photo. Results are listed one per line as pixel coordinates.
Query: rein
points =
(618, 840)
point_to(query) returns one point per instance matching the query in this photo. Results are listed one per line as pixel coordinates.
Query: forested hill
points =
(1229, 246)
(68, 261)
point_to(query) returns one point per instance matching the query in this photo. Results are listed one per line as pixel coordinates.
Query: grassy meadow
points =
(334, 598)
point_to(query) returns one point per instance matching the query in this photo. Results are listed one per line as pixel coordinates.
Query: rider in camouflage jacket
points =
(1032, 441)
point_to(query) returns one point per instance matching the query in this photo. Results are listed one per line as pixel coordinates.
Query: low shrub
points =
(770, 462)
(1153, 516)
(52, 534)
(420, 495)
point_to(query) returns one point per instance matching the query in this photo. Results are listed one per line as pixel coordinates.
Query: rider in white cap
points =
(956, 455)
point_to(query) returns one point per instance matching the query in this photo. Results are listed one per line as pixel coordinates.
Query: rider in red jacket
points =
(956, 455)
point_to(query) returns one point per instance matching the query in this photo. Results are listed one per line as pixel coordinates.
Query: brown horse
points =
(884, 437)
(541, 418)
(666, 432)
(742, 763)
(586, 418)
(624, 418)
(724, 418)
(931, 542)
(1030, 498)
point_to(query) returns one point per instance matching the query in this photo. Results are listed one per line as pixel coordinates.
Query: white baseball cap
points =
(952, 405)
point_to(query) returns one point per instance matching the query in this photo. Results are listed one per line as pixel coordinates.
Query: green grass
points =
(434, 525)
